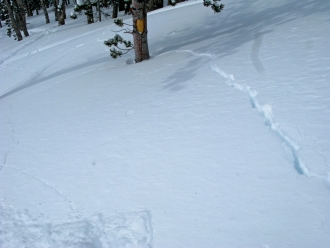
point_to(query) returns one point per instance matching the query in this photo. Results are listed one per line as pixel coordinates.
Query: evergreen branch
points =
(116, 53)
(126, 31)
(114, 43)
(120, 23)
(215, 5)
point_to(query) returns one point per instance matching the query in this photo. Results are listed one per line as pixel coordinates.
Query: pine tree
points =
(92, 10)
(20, 16)
(140, 31)
(43, 5)
(3, 13)
(55, 3)
(13, 23)
(61, 12)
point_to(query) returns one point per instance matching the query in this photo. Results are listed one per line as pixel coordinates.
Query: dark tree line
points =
(14, 12)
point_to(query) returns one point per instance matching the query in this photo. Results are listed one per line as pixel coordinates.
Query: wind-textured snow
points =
(221, 139)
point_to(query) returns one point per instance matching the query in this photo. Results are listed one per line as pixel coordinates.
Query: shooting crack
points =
(266, 111)
(16, 143)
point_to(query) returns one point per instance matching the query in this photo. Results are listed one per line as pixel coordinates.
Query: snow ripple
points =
(13, 52)
(212, 56)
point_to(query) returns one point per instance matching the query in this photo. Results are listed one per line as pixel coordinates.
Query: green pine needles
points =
(118, 45)
(214, 5)
(114, 43)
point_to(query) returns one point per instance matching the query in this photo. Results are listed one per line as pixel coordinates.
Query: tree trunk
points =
(22, 6)
(28, 8)
(140, 31)
(55, 10)
(61, 13)
(99, 10)
(150, 5)
(14, 23)
(121, 5)
(115, 10)
(45, 11)
(20, 13)
(89, 12)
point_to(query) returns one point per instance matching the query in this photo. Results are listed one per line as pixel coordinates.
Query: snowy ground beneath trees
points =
(221, 139)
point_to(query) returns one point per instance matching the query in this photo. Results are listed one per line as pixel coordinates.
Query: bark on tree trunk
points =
(45, 11)
(150, 5)
(140, 31)
(115, 10)
(21, 18)
(61, 13)
(22, 6)
(14, 23)
(99, 10)
(55, 10)
(28, 8)
(121, 5)
(89, 13)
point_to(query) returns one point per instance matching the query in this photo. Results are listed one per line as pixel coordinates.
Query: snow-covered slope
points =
(221, 139)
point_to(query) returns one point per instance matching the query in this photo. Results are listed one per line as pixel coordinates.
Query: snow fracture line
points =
(266, 111)
(55, 190)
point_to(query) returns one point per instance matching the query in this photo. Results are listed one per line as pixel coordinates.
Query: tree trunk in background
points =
(55, 10)
(89, 12)
(28, 9)
(115, 10)
(14, 23)
(61, 13)
(140, 31)
(22, 6)
(150, 5)
(20, 14)
(45, 10)
(99, 10)
(121, 5)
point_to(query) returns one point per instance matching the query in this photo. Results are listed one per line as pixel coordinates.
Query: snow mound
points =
(21, 229)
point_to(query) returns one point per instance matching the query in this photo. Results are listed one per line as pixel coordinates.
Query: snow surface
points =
(221, 139)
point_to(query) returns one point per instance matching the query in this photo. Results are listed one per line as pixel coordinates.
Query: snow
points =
(221, 139)
(80, 2)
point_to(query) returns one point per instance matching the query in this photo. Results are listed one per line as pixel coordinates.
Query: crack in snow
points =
(55, 190)
(267, 113)
(16, 143)
(317, 148)
(212, 56)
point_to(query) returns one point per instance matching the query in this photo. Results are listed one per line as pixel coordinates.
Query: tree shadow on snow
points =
(231, 29)
(178, 79)
(38, 78)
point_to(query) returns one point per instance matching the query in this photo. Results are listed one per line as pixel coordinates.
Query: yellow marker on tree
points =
(140, 24)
